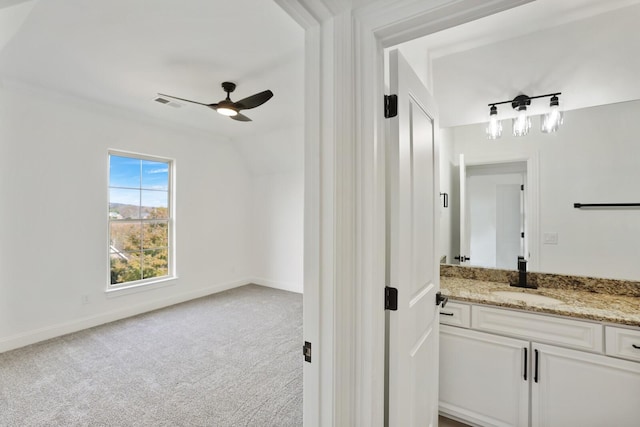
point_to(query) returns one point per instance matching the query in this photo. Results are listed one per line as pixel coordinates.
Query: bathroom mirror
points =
(593, 158)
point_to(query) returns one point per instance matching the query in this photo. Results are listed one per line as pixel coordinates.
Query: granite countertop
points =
(587, 304)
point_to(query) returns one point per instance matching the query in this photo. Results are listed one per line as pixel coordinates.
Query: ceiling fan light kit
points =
(226, 110)
(231, 109)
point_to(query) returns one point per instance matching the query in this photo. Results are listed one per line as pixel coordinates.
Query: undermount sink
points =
(527, 298)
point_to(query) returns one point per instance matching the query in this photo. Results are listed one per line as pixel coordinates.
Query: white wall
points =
(277, 235)
(53, 205)
(592, 159)
(276, 161)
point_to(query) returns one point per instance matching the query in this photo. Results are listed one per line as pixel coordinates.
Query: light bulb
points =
(522, 122)
(226, 111)
(494, 127)
(553, 119)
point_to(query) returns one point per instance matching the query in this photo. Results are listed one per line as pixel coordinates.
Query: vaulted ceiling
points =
(123, 52)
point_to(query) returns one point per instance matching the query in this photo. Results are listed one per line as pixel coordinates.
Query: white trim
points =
(141, 286)
(171, 233)
(30, 337)
(283, 286)
(318, 393)
(307, 13)
(312, 304)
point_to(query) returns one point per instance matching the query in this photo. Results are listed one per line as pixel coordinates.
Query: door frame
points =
(344, 242)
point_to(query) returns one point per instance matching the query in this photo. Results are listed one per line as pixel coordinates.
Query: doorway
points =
(344, 193)
(496, 214)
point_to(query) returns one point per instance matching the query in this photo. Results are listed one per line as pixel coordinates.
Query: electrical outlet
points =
(85, 299)
(550, 238)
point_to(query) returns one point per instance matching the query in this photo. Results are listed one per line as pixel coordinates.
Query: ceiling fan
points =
(227, 107)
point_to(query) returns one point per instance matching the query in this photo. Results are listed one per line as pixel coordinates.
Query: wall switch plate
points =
(550, 238)
(85, 299)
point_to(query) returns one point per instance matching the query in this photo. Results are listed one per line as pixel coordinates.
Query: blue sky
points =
(138, 182)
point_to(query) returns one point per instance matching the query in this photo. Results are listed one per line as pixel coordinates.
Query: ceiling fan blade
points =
(241, 118)
(253, 101)
(188, 100)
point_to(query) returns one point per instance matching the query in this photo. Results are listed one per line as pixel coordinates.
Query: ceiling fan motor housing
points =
(228, 87)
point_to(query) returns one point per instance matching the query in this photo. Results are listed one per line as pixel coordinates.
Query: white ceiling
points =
(122, 52)
(582, 48)
(526, 19)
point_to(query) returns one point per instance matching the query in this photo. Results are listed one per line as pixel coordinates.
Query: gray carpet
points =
(230, 359)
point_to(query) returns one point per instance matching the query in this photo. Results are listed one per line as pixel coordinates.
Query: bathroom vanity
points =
(565, 354)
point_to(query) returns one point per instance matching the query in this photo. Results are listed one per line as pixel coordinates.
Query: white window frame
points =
(171, 274)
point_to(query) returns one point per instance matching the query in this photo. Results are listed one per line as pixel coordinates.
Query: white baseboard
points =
(285, 286)
(31, 337)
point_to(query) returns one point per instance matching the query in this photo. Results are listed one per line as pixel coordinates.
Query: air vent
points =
(164, 101)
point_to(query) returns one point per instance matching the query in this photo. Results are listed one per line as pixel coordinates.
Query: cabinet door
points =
(575, 388)
(483, 377)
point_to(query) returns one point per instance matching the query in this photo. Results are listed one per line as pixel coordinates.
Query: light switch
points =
(550, 238)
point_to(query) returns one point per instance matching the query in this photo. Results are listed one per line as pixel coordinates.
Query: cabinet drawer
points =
(621, 342)
(456, 314)
(540, 328)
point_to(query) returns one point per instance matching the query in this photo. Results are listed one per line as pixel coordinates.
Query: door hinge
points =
(522, 234)
(306, 351)
(390, 106)
(521, 187)
(390, 298)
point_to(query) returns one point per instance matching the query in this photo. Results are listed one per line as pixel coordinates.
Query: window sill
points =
(140, 287)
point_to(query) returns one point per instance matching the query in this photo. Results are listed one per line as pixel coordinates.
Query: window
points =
(140, 222)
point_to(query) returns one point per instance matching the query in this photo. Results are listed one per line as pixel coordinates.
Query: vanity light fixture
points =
(494, 128)
(553, 119)
(550, 122)
(522, 122)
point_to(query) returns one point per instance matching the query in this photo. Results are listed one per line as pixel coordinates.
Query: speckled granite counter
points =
(619, 305)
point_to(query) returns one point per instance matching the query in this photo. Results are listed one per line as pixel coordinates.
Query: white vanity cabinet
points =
(569, 379)
(483, 377)
(575, 388)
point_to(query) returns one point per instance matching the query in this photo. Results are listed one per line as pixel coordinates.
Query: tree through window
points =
(139, 218)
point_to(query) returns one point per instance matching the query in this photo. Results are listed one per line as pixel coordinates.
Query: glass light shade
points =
(226, 111)
(522, 123)
(552, 120)
(494, 127)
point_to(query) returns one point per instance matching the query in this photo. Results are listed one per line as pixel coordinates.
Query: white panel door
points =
(575, 388)
(413, 201)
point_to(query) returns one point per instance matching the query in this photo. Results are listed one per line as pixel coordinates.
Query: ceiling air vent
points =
(168, 102)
